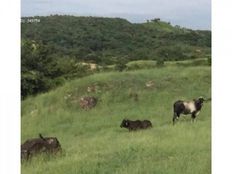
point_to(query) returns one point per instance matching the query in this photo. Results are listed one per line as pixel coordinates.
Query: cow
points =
(146, 124)
(39, 145)
(134, 125)
(192, 107)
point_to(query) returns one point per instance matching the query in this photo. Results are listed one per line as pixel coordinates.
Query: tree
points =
(120, 66)
(209, 59)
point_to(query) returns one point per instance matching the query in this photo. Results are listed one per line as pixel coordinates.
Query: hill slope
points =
(105, 40)
(92, 140)
(54, 47)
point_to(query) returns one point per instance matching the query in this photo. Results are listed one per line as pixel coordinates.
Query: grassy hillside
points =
(92, 140)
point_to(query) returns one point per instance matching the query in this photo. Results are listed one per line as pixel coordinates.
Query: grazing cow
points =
(39, 145)
(187, 107)
(134, 125)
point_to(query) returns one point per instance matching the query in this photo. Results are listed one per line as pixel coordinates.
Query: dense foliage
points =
(54, 47)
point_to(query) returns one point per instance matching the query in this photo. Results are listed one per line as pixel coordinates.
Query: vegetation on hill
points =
(93, 142)
(105, 40)
(54, 48)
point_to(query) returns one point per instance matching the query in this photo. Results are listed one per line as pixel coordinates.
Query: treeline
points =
(53, 46)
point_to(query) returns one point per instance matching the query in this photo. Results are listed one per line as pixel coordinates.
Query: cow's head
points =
(199, 102)
(201, 99)
(52, 143)
(125, 123)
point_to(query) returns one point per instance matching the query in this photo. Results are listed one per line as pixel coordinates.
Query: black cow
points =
(187, 107)
(39, 145)
(146, 124)
(134, 125)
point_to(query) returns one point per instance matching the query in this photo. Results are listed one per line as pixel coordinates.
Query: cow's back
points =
(146, 124)
(178, 106)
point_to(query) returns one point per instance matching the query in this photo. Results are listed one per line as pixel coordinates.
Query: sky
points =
(195, 14)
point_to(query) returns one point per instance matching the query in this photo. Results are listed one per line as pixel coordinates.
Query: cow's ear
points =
(50, 141)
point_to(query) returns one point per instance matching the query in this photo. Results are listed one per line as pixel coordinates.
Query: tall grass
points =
(92, 140)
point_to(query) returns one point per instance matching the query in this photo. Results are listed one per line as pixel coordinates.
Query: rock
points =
(88, 102)
(150, 84)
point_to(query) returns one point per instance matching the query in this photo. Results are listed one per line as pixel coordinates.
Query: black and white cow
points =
(192, 107)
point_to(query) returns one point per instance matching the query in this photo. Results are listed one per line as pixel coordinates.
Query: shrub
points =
(120, 66)
(209, 60)
(160, 62)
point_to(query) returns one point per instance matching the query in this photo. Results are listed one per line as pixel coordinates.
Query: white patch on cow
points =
(50, 141)
(190, 106)
(126, 123)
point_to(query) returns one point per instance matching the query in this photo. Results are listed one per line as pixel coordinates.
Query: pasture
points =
(94, 143)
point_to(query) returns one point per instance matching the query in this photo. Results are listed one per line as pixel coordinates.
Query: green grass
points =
(147, 64)
(92, 140)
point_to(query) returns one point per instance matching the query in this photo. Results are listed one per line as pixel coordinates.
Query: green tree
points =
(120, 66)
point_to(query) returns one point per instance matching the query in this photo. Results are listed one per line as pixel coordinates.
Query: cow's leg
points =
(193, 116)
(28, 154)
(175, 117)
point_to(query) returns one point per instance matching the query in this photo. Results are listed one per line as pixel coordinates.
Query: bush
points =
(209, 60)
(160, 62)
(120, 66)
(33, 83)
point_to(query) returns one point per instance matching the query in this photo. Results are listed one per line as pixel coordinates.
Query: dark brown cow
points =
(134, 125)
(146, 124)
(39, 145)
